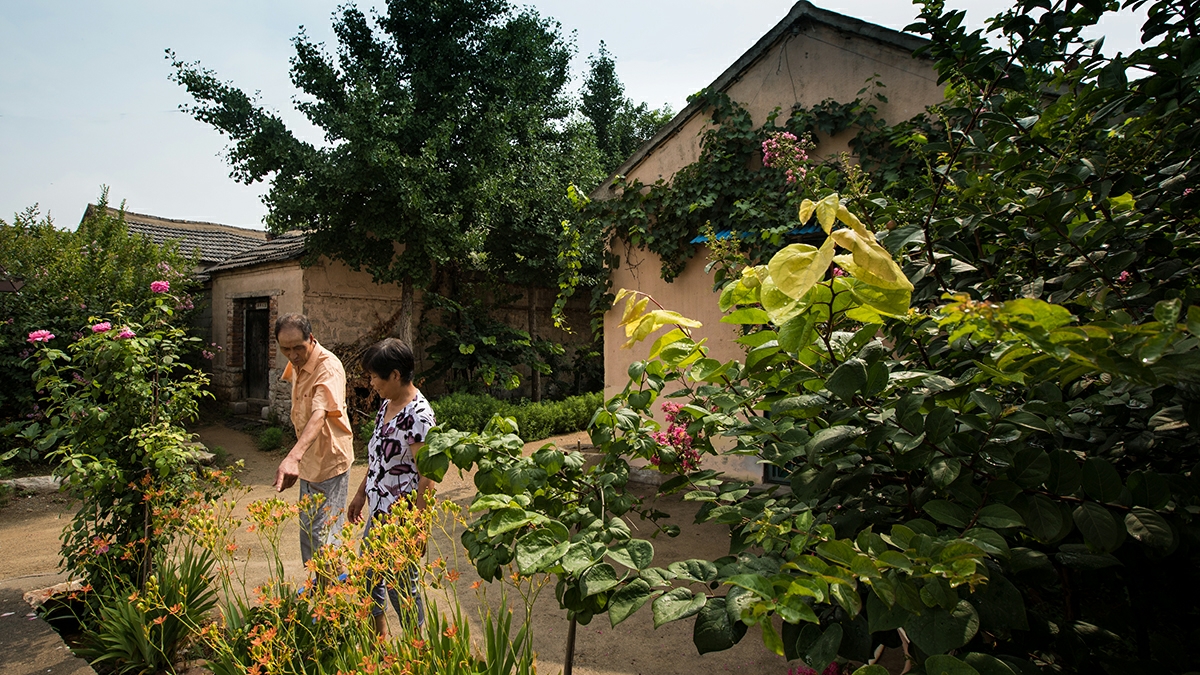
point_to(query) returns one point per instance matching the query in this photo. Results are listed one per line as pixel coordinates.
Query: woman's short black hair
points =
(387, 355)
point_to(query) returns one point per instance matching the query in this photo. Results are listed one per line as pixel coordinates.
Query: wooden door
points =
(258, 352)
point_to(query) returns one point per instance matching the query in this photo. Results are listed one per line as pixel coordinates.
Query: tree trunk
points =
(535, 376)
(404, 328)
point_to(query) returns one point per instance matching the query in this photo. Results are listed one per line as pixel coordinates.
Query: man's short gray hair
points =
(297, 321)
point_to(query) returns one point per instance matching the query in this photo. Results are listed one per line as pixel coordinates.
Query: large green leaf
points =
(507, 520)
(1042, 517)
(1149, 528)
(1099, 528)
(942, 664)
(636, 554)
(1101, 480)
(628, 599)
(947, 512)
(937, 631)
(999, 516)
(847, 379)
(714, 631)
(678, 603)
(747, 316)
(699, 571)
(818, 648)
(540, 549)
(597, 579)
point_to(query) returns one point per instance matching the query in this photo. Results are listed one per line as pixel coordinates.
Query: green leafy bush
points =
(71, 276)
(269, 439)
(472, 412)
(114, 407)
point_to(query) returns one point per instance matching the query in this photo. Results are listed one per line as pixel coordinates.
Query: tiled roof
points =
(215, 242)
(284, 247)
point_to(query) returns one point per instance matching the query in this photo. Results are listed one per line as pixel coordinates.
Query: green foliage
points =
(114, 403)
(269, 439)
(143, 631)
(476, 352)
(472, 412)
(620, 126)
(1007, 479)
(71, 275)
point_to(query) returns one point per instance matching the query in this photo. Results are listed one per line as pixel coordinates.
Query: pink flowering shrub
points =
(102, 327)
(125, 334)
(676, 439)
(160, 286)
(783, 150)
(41, 336)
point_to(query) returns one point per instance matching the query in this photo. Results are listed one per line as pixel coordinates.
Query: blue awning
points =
(725, 234)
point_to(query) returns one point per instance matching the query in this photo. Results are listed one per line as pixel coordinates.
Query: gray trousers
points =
(403, 588)
(320, 526)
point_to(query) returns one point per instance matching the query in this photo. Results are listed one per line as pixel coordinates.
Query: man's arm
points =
(289, 468)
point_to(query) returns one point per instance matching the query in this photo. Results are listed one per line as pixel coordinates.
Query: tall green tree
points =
(435, 113)
(621, 127)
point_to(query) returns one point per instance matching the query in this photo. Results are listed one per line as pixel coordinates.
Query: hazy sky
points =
(85, 99)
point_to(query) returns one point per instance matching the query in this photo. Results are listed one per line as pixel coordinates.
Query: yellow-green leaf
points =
(798, 267)
(827, 210)
(806, 210)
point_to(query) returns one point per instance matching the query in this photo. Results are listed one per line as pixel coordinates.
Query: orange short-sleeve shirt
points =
(320, 384)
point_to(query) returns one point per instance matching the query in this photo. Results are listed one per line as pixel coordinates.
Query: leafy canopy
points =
(446, 141)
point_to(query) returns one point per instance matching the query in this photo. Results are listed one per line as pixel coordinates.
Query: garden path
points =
(31, 526)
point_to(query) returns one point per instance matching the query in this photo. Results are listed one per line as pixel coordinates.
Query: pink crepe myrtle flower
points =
(839, 272)
(1124, 276)
(783, 150)
(126, 334)
(41, 336)
(676, 438)
(207, 354)
(160, 286)
(102, 327)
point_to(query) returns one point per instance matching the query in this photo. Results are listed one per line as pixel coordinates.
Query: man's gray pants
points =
(320, 526)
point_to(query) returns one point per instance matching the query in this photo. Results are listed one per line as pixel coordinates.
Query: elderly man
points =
(324, 451)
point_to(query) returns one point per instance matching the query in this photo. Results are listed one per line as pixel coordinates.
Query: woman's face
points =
(387, 387)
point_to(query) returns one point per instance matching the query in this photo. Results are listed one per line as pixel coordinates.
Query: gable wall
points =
(817, 64)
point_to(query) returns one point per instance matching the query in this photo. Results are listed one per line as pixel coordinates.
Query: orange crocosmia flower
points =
(418, 644)
(452, 576)
(451, 631)
(159, 620)
(475, 586)
(176, 608)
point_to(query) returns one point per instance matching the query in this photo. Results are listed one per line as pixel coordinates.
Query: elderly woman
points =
(404, 420)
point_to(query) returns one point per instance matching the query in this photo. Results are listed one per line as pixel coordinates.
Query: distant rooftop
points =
(287, 246)
(214, 241)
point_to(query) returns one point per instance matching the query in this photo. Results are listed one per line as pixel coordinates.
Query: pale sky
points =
(85, 99)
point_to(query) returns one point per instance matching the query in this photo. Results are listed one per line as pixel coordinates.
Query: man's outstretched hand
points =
(287, 473)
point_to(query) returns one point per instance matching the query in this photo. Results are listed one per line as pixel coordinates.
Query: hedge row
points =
(471, 412)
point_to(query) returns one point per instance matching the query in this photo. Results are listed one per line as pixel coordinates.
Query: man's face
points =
(294, 346)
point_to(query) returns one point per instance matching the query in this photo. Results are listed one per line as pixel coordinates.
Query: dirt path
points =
(29, 529)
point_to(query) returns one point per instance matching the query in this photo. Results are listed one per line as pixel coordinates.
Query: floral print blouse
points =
(391, 465)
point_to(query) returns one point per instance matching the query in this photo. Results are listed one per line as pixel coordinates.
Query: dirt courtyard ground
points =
(30, 526)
